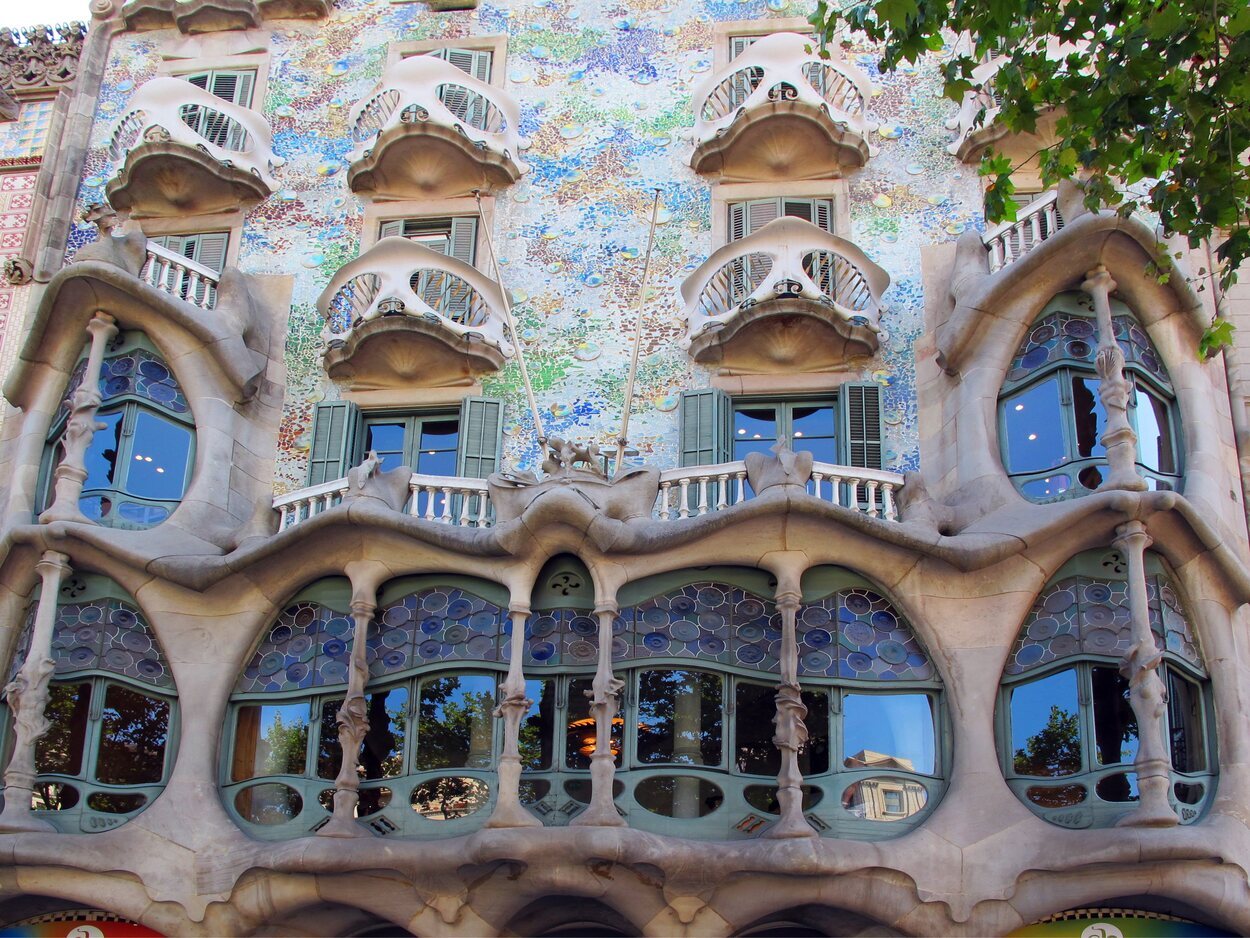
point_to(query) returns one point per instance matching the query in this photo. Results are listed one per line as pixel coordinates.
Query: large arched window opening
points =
(1052, 420)
(1067, 733)
(140, 463)
(112, 710)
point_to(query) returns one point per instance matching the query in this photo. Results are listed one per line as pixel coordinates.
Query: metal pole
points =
(633, 361)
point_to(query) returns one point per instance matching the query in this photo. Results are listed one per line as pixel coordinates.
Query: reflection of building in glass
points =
(883, 798)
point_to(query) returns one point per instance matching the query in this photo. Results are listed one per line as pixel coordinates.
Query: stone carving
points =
(784, 469)
(353, 723)
(369, 481)
(40, 58)
(18, 271)
(563, 458)
(605, 703)
(1113, 390)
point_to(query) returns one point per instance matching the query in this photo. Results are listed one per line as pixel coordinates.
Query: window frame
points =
(413, 420)
(495, 43)
(784, 406)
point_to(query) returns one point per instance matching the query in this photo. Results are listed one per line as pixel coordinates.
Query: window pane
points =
(133, 731)
(1091, 419)
(814, 427)
(60, 749)
(382, 750)
(755, 753)
(157, 467)
(1115, 724)
(1154, 433)
(1033, 428)
(101, 457)
(579, 737)
(455, 728)
(1185, 724)
(538, 725)
(387, 440)
(679, 717)
(1046, 726)
(270, 740)
(755, 430)
(889, 731)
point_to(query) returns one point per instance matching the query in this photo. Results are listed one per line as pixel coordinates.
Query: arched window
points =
(1067, 733)
(138, 466)
(112, 710)
(1051, 417)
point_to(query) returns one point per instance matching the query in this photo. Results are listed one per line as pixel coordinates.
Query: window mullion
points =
(1085, 700)
(95, 732)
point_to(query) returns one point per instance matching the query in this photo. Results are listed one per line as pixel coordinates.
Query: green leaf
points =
(1215, 337)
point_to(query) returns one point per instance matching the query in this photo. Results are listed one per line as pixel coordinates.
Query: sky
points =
(15, 13)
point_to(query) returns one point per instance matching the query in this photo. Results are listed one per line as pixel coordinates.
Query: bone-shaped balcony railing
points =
(423, 89)
(400, 277)
(786, 259)
(171, 109)
(779, 67)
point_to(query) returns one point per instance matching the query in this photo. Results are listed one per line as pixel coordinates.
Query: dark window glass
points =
(387, 440)
(1033, 426)
(579, 739)
(755, 753)
(59, 750)
(1185, 724)
(133, 731)
(438, 442)
(755, 430)
(815, 428)
(157, 467)
(382, 750)
(1091, 419)
(1115, 724)
(270, 740)
(101, 457)
(1046, 726)
(538, 725)
(1154, 433)
(888, 731)
(454, 728)
(679, 717)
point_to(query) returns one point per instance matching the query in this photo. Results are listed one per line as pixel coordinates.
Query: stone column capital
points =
(1099, 280)
(52, 562)
(1131, 536)
(611, 607)
(363, 607)
(101, 323)
(518, 609)
(788, 598)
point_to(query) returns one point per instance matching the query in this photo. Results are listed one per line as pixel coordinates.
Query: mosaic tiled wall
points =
(605, 93)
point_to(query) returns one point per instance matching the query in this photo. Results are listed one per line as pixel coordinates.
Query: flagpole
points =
(623, 439)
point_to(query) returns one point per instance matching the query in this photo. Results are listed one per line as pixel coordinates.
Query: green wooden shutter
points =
(391, 229)
(861, 416)
(475, 62)
(481, 437)
(706, 427)
(208, 249)
(464, 239)
(336, 439)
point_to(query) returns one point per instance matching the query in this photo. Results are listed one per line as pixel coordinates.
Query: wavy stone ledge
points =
(423, 160)
(170, 180)
(207, 16)
(401, 350)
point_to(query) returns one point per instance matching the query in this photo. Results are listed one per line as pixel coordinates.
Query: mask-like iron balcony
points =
(430, 130)
(789, 297)
(443, 319)
(179, 150)
(780, 111)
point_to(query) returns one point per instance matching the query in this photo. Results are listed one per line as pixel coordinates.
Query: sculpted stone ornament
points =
(40, 58)
(509, 812)
(18, 271)
(605, 703)
(71, 473)
(353, 724)
(1118, 438)
(368, 482)
(785, 469)
(790, 730)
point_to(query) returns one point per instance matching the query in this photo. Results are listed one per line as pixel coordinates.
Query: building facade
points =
(548, 468)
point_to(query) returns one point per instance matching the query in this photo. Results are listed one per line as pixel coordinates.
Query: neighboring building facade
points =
(917, 605)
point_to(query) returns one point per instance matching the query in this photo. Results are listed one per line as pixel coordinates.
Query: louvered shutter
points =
(235, 87)
(737, 221)
(760, 212)
(208, 249)
(336, 439)
(739, 45)
(706, 427)
(861, 415)
(475, 62)
(823, 214)
(797, 208)
(391, 229)
(481, 437)
(464, 239)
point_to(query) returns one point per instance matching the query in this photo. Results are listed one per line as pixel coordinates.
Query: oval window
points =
(1056, 796)
(1189, 793)
(885, 798)
(678, 796)
(764, 797)
(108, 802)
(1119, 787)
(53, 796)
(372, 800)
(535, 791)
(579, 789)
(449, 798)
(269, 803)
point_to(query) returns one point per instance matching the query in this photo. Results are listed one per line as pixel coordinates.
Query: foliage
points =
(1151, 93)
(1053, 750)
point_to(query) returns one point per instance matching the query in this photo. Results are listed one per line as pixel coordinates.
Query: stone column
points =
(27, 696)
(1118, 437)
(1147, 693)
(509, 812)
(605, 704)
(791, 731)
(81, 427)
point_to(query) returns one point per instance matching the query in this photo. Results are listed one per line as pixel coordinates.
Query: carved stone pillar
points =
(1147, 693)
(353, 723)
(513, 705)
(1118, 437)
(27, 696)
(80, 427)
(605, 704)
(790, 731)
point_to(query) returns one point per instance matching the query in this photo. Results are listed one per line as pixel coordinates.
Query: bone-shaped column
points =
(790, 731)
(513, 705)
(1118, 437)
(605, 703)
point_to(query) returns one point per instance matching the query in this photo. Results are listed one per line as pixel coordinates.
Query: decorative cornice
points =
(40, 59)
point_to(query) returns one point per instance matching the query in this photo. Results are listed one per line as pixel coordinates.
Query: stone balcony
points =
(193, 17)
(779, 111)
(179, 150)
(402, 315)
(790, 297)
(429, 130)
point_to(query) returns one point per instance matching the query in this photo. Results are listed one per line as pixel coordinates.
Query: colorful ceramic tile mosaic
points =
(1088, 616)
(22, 141)
(857, 634)
(104, 635)
(309, 646)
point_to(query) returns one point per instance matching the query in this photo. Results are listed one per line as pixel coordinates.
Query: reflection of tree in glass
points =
(448, 798)
(1053, 750)
(679, 717)
(282, 750)
(132, 738)
(59, 750)
(454, 723)
(535, 737)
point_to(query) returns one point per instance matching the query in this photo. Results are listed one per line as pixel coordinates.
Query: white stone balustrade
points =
(171, 109)
(788, 258)
(445, 499)
(401, 277)
(1035, 223)
(422, 88)
(180, 277)
(776, 68)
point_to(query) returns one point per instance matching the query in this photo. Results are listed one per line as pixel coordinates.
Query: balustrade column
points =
(513, 705)
(353, 724)
(790, 729)
(605, 696)
(81, 426)
(1147, 693)
(27, 697)
(1118, 437)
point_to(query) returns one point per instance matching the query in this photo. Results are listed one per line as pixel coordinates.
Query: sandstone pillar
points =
(1118, 437)
(509, 812)
(791, 731)
(605, 704)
